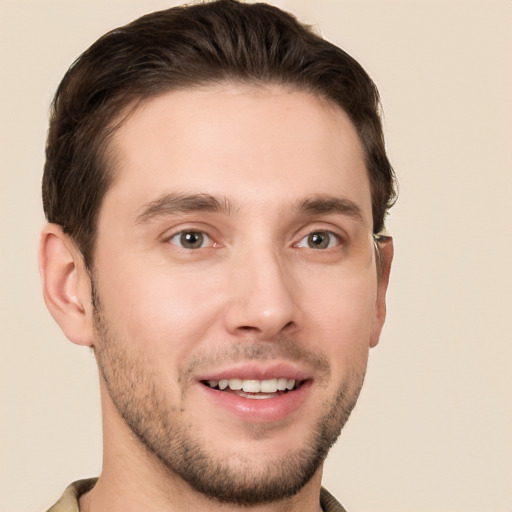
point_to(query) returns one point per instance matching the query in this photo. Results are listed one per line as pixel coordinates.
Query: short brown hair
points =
(181, 47)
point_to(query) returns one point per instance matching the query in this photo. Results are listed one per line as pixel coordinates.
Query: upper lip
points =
(257, 371)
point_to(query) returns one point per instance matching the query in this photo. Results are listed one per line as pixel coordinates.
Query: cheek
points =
(159, 311)
(341, 317)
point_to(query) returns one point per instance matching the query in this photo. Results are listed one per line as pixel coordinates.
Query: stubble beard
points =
(144, 407)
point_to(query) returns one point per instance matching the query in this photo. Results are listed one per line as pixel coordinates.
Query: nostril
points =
(248, 328)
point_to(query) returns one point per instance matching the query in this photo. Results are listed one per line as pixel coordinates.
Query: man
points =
(216, 185)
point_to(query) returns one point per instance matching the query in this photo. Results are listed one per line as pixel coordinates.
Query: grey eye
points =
(319, 240)
(190, 239)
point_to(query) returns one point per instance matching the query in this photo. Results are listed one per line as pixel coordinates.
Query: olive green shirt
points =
(69, 500)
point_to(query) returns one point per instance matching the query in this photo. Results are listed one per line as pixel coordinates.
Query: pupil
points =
(192, 239)
(318, 240)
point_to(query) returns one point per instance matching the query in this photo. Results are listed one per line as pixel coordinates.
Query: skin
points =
(256, 292)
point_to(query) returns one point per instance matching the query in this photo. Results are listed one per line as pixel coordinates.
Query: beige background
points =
(433, 428)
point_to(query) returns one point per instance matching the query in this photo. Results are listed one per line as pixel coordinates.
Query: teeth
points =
(281, 384)
(236, 384)
(253, 385)
(268, 386)
(290, 384)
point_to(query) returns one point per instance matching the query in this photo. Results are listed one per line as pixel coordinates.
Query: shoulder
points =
(329, 503)
(68, 502)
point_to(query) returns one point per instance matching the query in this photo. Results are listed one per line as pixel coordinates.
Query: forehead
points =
(265, 145)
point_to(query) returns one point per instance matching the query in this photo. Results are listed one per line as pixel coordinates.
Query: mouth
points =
(258, 393)
(255, 389)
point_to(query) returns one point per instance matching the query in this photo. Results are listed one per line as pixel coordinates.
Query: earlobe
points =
(66, 285)
(385, 248)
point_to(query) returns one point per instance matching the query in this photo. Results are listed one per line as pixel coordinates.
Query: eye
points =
(191, 239)
(320, 240)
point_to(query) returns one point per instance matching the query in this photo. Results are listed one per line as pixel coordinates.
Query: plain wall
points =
(433, 428)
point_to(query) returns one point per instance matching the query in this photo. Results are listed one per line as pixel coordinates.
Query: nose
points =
(264, 302)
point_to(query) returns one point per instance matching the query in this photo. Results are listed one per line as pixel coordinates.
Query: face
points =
(235, 286)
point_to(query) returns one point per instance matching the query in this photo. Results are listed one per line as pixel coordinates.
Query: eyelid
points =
(317, 225)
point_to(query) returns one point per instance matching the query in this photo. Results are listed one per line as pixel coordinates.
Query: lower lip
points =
(260, 410)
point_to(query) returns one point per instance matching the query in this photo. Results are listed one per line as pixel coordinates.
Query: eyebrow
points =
(169, 204)
(331, 204)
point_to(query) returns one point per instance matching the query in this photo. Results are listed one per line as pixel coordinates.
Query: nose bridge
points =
(264, 302)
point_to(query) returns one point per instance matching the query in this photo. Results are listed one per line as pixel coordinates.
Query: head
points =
(214, 178)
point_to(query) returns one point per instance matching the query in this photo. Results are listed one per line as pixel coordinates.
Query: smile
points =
(253, 388)
(279, 392)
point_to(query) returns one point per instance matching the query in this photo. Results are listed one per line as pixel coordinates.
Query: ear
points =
(66, 285)
(385, 248)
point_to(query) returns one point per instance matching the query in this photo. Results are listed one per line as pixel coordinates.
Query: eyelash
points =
(323, 239)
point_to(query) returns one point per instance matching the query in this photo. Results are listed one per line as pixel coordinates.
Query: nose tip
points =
(265, 303)
(266, 326)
